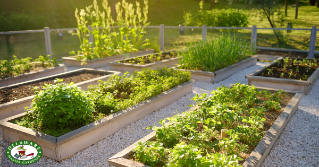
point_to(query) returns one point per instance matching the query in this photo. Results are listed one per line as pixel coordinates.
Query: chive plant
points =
(220, 52)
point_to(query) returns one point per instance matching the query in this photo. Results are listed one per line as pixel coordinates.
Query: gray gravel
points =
(297, 146)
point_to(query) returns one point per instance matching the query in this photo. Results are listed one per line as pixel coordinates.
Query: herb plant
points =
(120, 92)
(16, 66)
(152, 58)
(58, 108)
(216, 54)
(291, 68)
(109, 41)
(194, 138)
(62, 108)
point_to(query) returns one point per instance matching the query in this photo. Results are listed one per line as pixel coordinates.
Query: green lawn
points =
(168, 12)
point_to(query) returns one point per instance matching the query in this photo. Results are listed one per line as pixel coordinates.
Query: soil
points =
(36, 68)
(283, 53)
(147, 60)
(292, 71)
(15, 93)
(270, 116)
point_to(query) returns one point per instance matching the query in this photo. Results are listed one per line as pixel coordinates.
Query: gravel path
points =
(298, 144)
(98, 154)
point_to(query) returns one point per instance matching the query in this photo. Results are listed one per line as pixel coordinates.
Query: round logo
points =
(24, 152)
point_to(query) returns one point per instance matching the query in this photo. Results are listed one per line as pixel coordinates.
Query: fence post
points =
(47, 38)
(91, 35)
(254, 39)
(312, 45)
(204, 32)
(181, 30)
(162, 37)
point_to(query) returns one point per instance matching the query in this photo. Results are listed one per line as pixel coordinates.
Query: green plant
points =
(216, 54)
(127, 90)
(62, 108)
(151, 153)
(193, 138)
(108, 41)
(58, 108)
(216, 18)
(15, 67)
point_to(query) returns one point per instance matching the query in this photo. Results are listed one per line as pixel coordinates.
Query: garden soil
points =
(15, 93)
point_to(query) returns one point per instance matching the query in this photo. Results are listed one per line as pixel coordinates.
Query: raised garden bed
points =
(66, 145)
(32, 75)
(213, 77)
(14, 98)
(152, 61)
(289, 74)
(275, 121)
(96, 63)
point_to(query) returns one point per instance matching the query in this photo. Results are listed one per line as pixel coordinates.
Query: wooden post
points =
(312, 44)
(47, 38)
(162, 37)
(254, 39)
(204, 32)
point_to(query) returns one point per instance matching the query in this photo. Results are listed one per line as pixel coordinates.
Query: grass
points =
(167, 12)
(216, 54)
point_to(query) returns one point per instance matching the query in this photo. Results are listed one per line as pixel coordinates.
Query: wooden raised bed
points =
(96, 63)
(289, 85)
(65, 146)
(32, 75)
(127, 67)
(213, 77)
(256, 157)
(17, 106)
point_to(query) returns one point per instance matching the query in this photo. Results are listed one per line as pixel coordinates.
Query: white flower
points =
(82, 13)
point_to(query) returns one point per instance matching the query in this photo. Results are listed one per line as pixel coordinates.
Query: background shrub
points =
(216, 18)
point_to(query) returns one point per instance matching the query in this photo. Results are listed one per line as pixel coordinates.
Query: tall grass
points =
(220, 52)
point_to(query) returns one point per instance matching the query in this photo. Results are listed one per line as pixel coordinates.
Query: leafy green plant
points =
(62, 108)
(292, 68)
(58, 108)
(120, 92)
(193, 138)
(216, 54)
(108, 41)
(15, 67)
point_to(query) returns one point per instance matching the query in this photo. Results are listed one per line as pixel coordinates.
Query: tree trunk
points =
(312, 2)
(286, 4)
(273, 26)
(297, 4)
(212, 4)
(317, 3)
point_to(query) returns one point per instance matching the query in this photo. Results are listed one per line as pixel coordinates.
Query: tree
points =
(212, 4)
(269, 8)
(317, 3)
(296, 13)
(312, 2)
(286, 5)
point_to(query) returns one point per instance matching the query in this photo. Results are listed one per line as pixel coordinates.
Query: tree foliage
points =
(271, 10)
